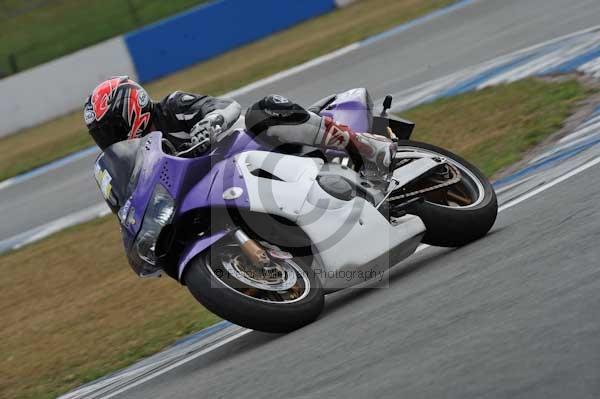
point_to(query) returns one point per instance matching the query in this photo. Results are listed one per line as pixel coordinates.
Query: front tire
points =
(207, 284)
(455, 226)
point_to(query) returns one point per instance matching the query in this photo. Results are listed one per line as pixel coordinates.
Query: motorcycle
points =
(259, 235)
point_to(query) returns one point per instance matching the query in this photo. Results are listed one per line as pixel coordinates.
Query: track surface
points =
(514, 315)
(465, 37)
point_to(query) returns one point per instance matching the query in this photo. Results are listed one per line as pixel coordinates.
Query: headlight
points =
(159, 213)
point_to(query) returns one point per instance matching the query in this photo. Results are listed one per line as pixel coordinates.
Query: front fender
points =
(196, 247)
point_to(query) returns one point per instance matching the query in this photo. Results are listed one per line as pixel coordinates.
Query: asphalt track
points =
(514, 315)
(392, 63)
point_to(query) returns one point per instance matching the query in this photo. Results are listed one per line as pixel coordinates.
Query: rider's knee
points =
(276, 117)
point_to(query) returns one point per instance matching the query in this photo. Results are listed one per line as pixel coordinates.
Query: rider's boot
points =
(375, 153)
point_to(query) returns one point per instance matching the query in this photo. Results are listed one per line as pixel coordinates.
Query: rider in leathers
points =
(120, 109)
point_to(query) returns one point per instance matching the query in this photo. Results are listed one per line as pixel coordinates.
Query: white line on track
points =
(177, 364)
(292, 71)
(45, 230)
(550, 184)
(351, 47)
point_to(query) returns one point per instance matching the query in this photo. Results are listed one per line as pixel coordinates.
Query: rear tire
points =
(249, 312)
(455, 226)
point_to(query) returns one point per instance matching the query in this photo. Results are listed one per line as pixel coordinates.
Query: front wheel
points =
(454, 214)
(282, 297)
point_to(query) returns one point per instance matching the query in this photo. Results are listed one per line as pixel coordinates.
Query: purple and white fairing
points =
(229, 177)
(197, 183)
(352, 108)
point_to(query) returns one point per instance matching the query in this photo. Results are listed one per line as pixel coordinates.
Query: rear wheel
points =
(459, 204)
(281, 297)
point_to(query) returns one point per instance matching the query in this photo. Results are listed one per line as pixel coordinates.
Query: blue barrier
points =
(212, 29)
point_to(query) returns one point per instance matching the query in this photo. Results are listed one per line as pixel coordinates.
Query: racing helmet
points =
(118, 109)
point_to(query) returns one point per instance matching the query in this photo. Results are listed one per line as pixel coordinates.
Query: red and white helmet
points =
(118, 109)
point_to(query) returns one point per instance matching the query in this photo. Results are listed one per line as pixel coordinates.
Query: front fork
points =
(253, 250)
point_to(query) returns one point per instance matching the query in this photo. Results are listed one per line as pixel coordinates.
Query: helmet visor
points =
(106, 134)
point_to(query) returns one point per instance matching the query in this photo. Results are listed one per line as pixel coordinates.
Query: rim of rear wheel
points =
(468, 193)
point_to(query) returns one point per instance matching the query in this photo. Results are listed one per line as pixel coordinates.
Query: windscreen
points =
(117, 170)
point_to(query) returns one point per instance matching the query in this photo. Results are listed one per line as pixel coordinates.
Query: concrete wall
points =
(60, 86)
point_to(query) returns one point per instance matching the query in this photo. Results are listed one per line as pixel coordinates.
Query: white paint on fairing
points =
(338, 236)
(284, 195)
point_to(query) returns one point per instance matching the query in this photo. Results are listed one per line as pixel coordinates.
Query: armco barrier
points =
(205, 31)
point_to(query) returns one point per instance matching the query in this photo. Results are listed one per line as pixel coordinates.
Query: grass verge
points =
(73, 311)
(495, 127)
(39, 145)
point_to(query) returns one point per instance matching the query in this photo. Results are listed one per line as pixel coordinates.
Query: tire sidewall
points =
(453, 227)
(251, 313)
